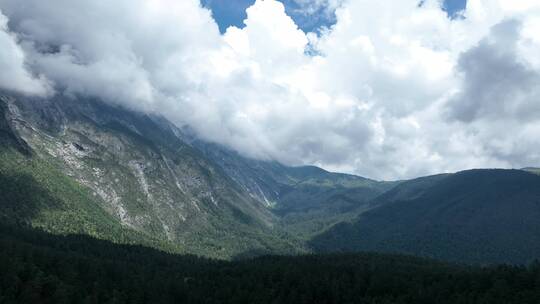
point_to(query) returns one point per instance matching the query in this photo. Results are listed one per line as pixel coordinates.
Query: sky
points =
(385, 89)
(309, 15)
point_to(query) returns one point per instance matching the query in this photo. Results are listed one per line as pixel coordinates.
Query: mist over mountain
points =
(350, 98)
(147, 176)
(82, 166)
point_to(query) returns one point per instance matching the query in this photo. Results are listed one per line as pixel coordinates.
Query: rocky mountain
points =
(306, 199)
(138, 171)
(162, 183)
(476, 216)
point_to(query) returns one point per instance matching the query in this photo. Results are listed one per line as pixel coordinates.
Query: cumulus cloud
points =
(497, 83)
(14, 75)
(128, 52)
(392, 90)
(498, 101)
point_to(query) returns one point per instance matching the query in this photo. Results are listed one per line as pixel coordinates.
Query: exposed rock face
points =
(157, 179)
(146, 175)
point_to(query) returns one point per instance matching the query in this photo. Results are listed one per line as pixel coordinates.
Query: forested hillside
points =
(37, 267)
(475, 216)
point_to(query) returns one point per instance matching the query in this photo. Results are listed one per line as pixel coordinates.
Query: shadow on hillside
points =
(250, 254)
(89, 246)
(22, 197)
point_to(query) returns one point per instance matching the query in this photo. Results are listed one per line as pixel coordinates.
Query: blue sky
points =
(454, 6)
(233, 12)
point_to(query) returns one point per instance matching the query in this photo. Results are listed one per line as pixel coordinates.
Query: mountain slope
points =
(307, 199)
(159, 180)
(77, 165)
(144, 175)
(477, 216)
(35, 193)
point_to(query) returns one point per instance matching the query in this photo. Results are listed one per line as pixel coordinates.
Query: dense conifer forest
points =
(38, 267)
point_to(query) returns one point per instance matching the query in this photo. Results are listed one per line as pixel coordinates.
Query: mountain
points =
(74, 165)
(130, 170)
(476, 216)
(307, 199)
(155, 181)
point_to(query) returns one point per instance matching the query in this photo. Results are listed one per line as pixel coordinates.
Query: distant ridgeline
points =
(476, 216)
(80, 166)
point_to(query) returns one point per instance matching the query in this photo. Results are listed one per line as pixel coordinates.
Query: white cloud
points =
(397, 90)
(497, 84)
(14, 75)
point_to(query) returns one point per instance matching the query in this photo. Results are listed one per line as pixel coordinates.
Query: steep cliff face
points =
(145, 175)
(167, 184)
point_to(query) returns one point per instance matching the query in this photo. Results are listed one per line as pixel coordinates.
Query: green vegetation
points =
(476, 216)
(86, 167)
(307, 199)
(33, 192)
(37, 267)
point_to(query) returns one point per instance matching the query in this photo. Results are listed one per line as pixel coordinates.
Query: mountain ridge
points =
(151, 182)
(476, 216)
